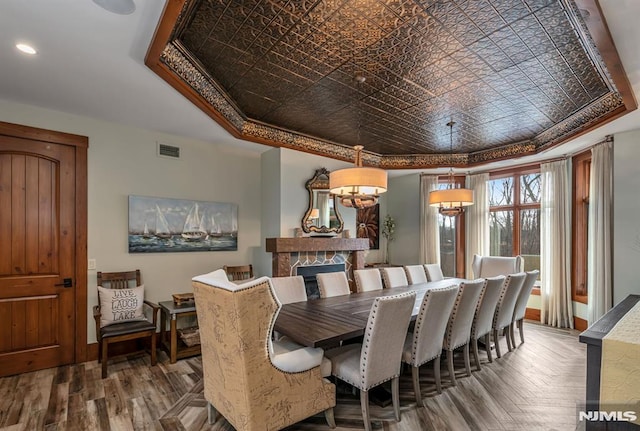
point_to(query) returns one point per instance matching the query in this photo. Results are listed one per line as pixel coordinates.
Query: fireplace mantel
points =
(288, 245)
(289, 253)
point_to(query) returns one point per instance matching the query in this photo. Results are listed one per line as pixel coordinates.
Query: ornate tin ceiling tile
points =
(516, 75)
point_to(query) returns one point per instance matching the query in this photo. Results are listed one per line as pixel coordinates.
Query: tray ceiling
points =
(517, 76)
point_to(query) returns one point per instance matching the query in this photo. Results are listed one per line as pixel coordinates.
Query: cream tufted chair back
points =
(434, 272)
(459, 325)
(504, 310)
(333, 284)
(394, 277)
(483, 318)
(367, 279)
(490, 266)
(415, 274)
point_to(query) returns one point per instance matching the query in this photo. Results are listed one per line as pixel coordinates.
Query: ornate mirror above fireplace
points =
(322, 215)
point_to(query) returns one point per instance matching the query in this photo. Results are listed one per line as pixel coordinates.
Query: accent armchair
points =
(245, 380)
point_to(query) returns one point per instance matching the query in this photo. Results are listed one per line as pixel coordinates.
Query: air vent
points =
(170, 151)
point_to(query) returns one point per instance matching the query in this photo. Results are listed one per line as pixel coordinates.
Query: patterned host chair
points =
(244, 379)
(505, 308)
(394, 277)
(491, 266)
(415, 274)
(521, 304)
(483, 318)
(425, 342)
(377, 360)
(459, 325)
(434, 272)
(333, 284)
(367, 279)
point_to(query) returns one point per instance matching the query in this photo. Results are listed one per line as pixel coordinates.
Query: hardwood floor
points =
(536, 387)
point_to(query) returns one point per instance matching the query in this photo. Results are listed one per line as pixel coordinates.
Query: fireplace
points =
(309, 274)
(289, 254)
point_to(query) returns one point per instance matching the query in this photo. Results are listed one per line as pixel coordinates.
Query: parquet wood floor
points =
(536, 387)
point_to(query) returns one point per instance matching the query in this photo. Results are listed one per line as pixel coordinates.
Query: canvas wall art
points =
(158, 225)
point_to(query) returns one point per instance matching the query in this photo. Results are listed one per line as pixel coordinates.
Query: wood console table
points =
(174, 346)
(592, 337)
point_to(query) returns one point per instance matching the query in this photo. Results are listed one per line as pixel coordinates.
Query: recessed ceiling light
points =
(27, 49)
(121, 7)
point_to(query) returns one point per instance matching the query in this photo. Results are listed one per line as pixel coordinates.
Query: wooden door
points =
(37, 253)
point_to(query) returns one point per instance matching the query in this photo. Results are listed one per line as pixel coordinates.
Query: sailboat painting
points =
(160, 225)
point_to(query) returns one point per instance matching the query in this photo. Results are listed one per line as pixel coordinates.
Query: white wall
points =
(626, 214)
(122, 161)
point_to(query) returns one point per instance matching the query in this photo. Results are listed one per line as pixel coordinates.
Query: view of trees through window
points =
(514, 218)
(448, 238)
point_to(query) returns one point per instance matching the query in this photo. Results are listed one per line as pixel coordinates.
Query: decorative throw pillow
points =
(120, 305)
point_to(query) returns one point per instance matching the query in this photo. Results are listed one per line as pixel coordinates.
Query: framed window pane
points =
(530, 188)
(447, 245)
(530, 238)
(501, 233)
(501, 192)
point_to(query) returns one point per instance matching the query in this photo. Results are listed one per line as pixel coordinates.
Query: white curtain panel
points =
(599, 269)
(477, 220)
(429, 228)
(555, 245)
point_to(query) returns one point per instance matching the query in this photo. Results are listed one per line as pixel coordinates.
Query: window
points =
(580, 222)
(451, 236)
(514, 217)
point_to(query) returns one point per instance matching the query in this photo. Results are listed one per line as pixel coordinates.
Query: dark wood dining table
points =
(326, 322)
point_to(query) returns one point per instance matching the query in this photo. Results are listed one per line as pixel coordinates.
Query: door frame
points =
(80, 144)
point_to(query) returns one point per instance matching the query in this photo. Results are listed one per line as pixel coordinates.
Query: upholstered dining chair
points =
(415, 274)
(239, 272)
(459, 325)
(424, 344)
(434, 272)
(289, 289)
(490, 266)
(521, 305)
(483, 317)
(377, 360)
(120, 313)
(394, 277)
(367, 279)
(505, 308)
(245, 380)
(333, 284)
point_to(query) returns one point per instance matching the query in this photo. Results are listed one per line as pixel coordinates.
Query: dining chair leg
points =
(476, 358)
(99, 351)
(467, 364)
(212, 413)
(511, 334)
(105, 349)
(415, 373)
(452, 373)
(496, 340)
(507, 336)
(436, 374)
(521, 329)
(331, 420)
(395, 397)
(364, 406)
(487, 343)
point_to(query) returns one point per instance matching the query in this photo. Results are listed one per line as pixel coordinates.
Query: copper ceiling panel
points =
(517, 76)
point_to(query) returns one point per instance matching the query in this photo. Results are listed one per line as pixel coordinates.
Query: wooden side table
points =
(173, 345)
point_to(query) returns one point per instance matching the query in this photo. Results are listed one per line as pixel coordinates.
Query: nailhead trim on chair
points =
(507, 282)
